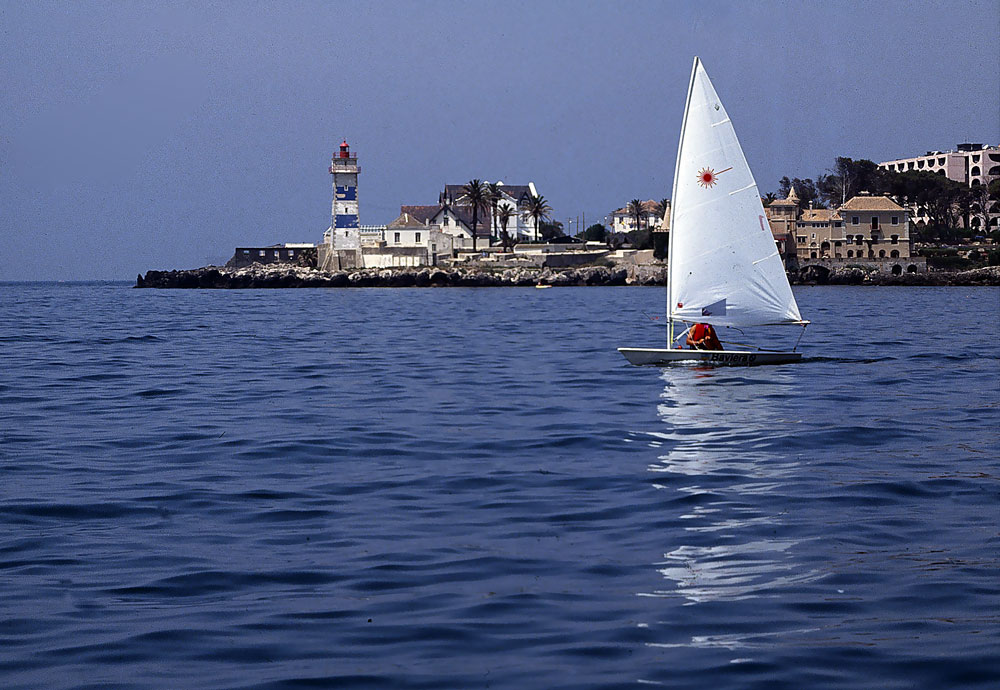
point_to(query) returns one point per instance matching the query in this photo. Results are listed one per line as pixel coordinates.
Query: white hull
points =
(731, 358)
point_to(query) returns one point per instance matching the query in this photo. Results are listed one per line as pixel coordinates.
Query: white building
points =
(970, 164)
(455, 221)
(521, 227)
(408, 242)
(622, 220)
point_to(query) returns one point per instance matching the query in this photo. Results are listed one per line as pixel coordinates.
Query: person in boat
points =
(702, 337)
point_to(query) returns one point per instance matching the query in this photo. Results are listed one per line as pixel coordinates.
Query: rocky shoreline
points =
(285, 276)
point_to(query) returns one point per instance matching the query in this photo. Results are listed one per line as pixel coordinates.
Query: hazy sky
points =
(140, 135)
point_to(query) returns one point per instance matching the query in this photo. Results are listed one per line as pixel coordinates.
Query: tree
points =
(595, 233)
(768, 198)
(661, 208)
(493, 196)
(634, 209)
(784, 187)
(805, 190)
(549, 231)
(475, 196)
(849, 177)
(504, 214)
(983, 199)
(538, 209)
(935, 196)
(640, 239)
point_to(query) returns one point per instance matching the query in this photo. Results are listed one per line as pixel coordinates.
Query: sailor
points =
(702, 337)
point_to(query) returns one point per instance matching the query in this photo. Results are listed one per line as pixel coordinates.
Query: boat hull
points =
(723, 358)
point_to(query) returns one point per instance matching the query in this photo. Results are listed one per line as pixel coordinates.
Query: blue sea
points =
(470, 488)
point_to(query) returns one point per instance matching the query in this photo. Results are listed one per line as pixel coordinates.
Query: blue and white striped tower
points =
(344, 168)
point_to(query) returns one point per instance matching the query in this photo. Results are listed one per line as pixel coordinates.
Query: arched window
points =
(894, 253)
(995, 170)
(975, 170)
(881, 253)
(850, 253)
(897, 269)
(812, 255)
(911, 269)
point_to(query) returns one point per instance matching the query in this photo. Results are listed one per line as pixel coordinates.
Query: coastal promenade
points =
(284, 276)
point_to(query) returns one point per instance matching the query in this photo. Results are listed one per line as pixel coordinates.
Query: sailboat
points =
(723, 265)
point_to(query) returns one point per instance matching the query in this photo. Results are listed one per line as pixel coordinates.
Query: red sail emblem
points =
(708, 177)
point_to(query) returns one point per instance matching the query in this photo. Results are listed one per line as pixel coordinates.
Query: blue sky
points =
(161, 135)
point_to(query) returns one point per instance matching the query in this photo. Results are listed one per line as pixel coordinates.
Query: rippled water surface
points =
(470, 488)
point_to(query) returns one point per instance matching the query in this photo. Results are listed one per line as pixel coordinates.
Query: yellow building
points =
(871, 230)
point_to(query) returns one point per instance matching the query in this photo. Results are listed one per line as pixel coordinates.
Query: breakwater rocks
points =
(284, 276)
(820, 275)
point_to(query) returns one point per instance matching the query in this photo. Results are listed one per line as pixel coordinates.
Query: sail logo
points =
(709, 178)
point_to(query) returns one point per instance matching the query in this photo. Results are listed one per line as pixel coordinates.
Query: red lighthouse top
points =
(345, 150)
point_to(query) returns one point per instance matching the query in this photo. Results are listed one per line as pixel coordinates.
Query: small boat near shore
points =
(723, 267)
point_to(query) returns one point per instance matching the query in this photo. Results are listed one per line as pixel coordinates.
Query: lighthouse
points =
(345, 223)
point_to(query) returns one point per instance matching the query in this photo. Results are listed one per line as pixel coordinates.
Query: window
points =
(850, 253)
(246, 251)
(395, 237)
(836, 244)
(801, 238)
(291, 253)
(874, 222)
(262, 252)
(855, 220)
(850, 238)
(446, 221)
(895, 220)
(895, 239)
(416, 238)
(813, 236)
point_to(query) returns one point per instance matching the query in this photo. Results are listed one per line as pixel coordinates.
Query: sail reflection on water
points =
(723, 467)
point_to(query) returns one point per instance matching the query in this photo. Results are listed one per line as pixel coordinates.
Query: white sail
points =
(724, 267)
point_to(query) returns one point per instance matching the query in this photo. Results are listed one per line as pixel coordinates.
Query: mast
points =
(673, 210)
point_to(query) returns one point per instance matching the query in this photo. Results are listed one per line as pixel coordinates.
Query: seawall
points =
(284, 276)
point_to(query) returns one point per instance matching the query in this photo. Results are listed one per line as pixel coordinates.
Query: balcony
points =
(345, 165)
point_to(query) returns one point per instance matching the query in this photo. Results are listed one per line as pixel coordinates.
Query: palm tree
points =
(770, 198)
(475, 196)
(493, 198)
(537, 208)
(635, 210)
(504, 214)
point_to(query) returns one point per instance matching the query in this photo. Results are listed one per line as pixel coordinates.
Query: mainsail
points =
(724, 268)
